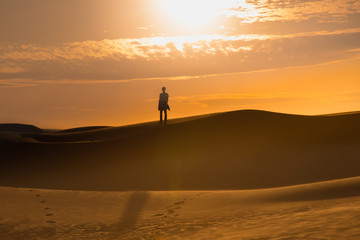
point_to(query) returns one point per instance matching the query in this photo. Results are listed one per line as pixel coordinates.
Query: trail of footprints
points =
(171, 211)
(46, 209)
(167, 218)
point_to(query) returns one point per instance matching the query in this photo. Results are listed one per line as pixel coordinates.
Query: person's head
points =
(163, 89)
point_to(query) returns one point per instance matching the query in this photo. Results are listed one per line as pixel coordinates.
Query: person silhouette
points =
(163, 105)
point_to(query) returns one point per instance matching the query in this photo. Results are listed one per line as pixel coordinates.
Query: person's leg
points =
(161, 116)
(165, 115)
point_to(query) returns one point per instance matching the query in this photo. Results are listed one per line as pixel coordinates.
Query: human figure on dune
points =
(163, 105)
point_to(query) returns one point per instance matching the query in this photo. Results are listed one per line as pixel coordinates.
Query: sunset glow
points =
(212, 55)
(194, 14)
(179, 119)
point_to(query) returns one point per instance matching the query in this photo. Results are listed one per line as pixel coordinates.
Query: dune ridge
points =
(246, 149)
(237, 175)
(17, 127)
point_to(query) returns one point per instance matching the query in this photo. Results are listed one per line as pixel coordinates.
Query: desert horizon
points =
(179, 119)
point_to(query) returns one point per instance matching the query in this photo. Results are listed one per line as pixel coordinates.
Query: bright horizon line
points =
(200, 115)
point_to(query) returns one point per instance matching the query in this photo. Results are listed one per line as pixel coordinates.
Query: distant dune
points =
(15, 127)
(81, 129)
(246, 149)
(14, 132)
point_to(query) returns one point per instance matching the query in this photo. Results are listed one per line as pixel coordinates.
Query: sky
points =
(70, 63)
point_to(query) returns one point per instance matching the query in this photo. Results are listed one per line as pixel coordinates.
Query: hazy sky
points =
(66, 63)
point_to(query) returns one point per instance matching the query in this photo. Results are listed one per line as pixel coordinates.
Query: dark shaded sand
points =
(17, 127)
(235, 150)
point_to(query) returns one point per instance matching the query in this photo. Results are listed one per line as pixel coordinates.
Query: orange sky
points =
(93, 62)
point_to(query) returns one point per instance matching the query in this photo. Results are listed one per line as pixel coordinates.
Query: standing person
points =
(163, 104)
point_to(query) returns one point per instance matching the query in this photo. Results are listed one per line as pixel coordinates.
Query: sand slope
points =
(235, 150)
(286, 162)
(326, 210)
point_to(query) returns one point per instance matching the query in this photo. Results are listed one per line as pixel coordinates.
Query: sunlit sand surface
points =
(328, 210)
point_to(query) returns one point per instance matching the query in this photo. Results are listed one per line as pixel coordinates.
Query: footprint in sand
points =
(158, 215)
(45, 208)
(181, 202)
(171, 210)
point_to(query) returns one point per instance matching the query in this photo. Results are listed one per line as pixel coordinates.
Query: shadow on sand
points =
(133, 208)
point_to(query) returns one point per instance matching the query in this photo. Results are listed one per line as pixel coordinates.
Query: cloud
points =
(158, 57)
(249, 11)
(352, 96)
(146, 27)
(236, 99)
(261, 99)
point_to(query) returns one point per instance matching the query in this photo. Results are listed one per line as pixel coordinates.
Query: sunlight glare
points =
(194, 13)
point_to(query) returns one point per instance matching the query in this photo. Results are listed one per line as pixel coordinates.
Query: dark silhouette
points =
(163, 105)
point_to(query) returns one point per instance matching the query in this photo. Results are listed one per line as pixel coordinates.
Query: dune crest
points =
(246, 149)
(237, 175)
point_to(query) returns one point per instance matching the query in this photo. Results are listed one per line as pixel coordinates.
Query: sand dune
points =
(326, 210)
(234, 150)
(13, 132)
(237, 175)
(16, 127)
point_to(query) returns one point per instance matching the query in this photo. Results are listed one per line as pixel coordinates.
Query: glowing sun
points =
(193, 13)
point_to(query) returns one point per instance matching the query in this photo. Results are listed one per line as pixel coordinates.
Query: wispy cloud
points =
(236, 99)
(249, 11)
(260, 99)
(149, 48)
(156, 57)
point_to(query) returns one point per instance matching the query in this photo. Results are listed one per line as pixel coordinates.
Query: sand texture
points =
(328, 210)
(236, 175)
